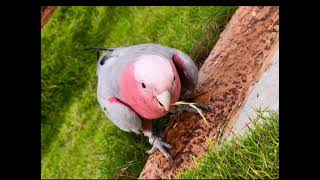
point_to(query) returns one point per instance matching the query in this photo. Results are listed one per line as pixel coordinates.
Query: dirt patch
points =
(46, 13)
(233, 67)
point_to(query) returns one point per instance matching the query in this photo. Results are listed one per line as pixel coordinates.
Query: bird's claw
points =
(159, 144)
(180, 109)
(203, 106)
(175, 115)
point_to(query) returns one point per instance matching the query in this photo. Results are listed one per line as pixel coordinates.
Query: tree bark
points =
(46, 13)
(243, 52)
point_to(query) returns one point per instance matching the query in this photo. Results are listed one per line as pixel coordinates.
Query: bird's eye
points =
(174, 78)
(143, 85)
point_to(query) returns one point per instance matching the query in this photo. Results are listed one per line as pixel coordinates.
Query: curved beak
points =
(164, 99)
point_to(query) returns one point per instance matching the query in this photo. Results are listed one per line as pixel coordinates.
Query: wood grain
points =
(242, 53)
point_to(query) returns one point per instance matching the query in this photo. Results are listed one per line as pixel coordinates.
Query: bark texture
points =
(243, 52)
(46, 13)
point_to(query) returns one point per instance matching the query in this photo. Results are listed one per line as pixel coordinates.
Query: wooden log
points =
(243, 52)
(46, 13)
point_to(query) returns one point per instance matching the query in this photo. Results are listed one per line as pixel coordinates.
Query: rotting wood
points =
(235, 64)
(46, 13)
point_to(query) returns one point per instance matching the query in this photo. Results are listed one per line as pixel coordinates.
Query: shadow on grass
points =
(60, 84)
(201, 50)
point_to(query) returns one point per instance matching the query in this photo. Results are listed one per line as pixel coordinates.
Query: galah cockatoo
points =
(138, 84)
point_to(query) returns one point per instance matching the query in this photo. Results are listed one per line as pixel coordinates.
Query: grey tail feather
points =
(99, 49)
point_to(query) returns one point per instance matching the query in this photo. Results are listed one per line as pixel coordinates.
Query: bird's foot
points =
(175, 114)
(162, 146)
(204, 106)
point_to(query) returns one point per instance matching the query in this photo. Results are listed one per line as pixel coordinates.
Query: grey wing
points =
(188, 71)
(122, 115)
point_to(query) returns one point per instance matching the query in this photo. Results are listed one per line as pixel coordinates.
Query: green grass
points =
(255, 156)
(77, 140)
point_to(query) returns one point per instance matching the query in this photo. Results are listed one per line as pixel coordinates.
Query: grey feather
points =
(190, 77)
(123, 117)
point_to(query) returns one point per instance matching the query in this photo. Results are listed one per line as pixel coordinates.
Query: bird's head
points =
(150, 84)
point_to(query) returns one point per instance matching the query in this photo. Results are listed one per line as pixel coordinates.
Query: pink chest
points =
(144, 103)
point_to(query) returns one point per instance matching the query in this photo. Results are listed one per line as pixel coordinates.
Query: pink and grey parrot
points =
(138, 84)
